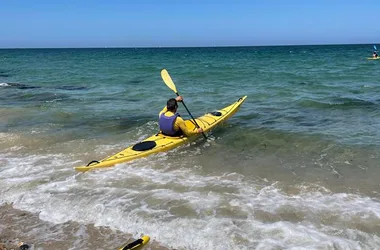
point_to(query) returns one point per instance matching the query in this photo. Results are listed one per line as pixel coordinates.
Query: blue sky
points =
(123, 23)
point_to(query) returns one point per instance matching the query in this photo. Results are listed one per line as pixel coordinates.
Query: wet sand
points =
(18, 226)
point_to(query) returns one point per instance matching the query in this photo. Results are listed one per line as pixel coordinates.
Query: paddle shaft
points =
(188, 111)
(169, 82)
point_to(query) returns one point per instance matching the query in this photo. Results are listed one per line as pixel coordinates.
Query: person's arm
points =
(182, 125)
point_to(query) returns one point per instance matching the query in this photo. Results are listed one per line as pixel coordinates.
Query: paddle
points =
(169, 82)
(375, 51)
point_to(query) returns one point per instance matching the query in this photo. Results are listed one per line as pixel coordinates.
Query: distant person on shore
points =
(375, 55)
(171, 123)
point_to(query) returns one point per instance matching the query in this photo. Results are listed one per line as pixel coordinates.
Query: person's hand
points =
(179, 98)
(199, 130)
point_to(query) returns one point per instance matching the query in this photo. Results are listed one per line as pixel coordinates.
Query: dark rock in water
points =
(71, 87)
(135, 81)
(22, 86)
(4, 73)
(307, 124)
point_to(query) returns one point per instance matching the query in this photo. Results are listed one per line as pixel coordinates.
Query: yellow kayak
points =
(159, 142)
(137, 244)
(372, 58)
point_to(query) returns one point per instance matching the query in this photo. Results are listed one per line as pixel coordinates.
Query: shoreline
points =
(20, 226)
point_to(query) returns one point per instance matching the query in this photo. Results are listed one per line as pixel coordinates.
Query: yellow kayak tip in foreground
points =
(373, 58)
(137, 244)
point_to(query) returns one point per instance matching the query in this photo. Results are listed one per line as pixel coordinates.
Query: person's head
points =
(172, 105)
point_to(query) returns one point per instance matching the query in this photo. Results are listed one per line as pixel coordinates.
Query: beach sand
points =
(19, 226)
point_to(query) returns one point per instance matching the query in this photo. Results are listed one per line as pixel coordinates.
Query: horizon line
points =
(203, 46)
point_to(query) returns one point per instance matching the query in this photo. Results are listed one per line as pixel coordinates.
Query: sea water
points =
(296, 167)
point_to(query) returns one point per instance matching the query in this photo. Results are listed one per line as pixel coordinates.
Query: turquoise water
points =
(325, 90)
(301, 155)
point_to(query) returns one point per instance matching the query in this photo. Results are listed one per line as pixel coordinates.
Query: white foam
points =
(8, 136)
(4, 84)
(179, 206)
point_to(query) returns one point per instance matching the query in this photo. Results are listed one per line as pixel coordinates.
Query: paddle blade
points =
(168, 80)
(374, 47)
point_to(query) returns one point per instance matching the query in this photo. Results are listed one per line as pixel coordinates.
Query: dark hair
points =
(171, 105)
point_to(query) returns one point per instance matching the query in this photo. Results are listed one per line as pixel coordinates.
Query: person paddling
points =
(171, 123)
(375, 55)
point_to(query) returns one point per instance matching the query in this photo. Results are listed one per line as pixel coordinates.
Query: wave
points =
(70, 87)
(26, 86)
(172, 204)
(4, 74)
(340, 102)
(18, 85)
